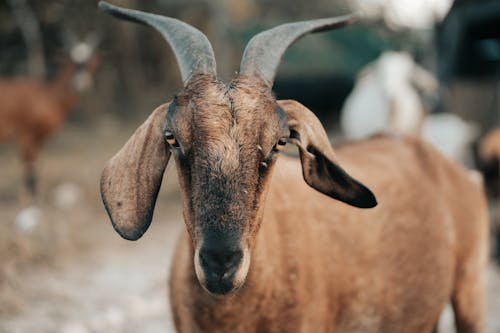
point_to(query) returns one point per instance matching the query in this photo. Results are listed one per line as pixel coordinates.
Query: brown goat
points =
(488, 161)
(32, 110)
(265, 252)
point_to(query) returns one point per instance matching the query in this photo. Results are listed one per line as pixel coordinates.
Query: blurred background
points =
(75, 83)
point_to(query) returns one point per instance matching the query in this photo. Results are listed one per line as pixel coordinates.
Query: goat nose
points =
(220, 261)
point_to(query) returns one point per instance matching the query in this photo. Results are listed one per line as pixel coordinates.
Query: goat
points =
(264, 252)
(487, 155)
(385, 99)
(32, 110)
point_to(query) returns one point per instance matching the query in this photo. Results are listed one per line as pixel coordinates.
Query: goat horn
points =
(264, 51)
(191, 47)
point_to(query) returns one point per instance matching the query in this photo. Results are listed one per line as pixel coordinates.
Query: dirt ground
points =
(70, 272)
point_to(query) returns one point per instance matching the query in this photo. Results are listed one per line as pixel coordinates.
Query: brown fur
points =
(490, 145)
(309, 263)
(489, 158)
(322, 266)
(223, 134)
(489, 161)
(31, 111)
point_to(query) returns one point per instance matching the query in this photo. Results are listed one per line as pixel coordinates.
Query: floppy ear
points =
(131, 180)
(318, 159)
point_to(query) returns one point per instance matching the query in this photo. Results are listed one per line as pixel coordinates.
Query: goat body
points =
(322, 266)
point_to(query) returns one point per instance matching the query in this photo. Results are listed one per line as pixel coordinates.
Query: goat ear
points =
(131, 180)
(318, 159)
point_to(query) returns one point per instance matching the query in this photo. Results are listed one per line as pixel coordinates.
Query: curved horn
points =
(264, 51)
(192, 49)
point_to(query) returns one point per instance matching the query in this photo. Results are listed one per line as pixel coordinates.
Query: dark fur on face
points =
(224, 133)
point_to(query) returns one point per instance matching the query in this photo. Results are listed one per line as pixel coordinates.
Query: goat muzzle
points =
(221, 272)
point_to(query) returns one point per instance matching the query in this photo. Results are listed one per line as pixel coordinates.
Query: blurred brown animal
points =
(488, 158)
(487, 153)
(265, 252)
(31, 110)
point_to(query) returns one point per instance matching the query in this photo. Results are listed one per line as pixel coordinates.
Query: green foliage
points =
(360, 44)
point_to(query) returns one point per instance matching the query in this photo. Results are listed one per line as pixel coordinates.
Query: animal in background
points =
(264, 251)
(487, 155)
(387, 98)
(32, 110)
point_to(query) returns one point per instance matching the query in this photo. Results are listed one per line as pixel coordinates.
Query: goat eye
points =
(169, 137)
(280, 144)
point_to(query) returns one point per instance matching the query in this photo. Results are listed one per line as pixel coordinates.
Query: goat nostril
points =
(220, 261)
(234, 257)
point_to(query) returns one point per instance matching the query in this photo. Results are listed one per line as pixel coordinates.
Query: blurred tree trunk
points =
(30, 29)
(220, 25)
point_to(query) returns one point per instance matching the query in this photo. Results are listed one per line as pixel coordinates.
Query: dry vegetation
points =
(61, 231)
(71, 216)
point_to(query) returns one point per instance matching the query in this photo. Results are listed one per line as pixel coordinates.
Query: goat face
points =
(224, 139)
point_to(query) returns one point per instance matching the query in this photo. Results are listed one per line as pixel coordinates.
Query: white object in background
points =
(450, 134)
(385, 98)
(67, 195)
(28, 219)
(74, 328)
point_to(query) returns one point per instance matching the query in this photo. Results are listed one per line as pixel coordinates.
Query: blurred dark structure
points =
(324, 94)
(469, 40)
(468, 44)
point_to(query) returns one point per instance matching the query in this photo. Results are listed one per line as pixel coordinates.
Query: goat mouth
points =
(222, 284)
